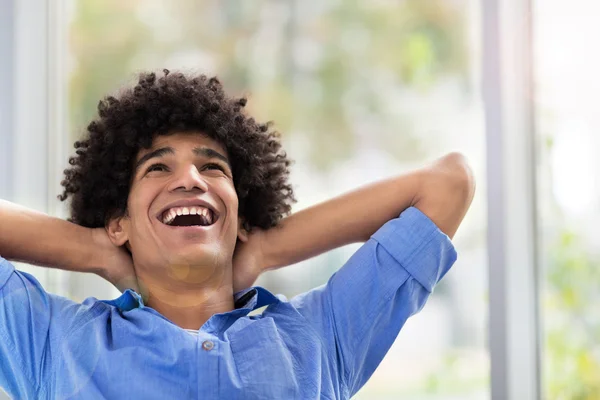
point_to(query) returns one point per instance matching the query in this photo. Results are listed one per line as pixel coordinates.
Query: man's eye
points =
(156, 167)
(214, 166)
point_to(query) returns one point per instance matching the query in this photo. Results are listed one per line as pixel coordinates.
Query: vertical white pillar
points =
(513, 278)
(6, 105)
(29, 141)
(6, 96)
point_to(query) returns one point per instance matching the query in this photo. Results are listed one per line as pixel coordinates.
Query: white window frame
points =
(32, 153)
(27, 109)
(514, 328)
(57, 73)
(6, 95)
(6, 105)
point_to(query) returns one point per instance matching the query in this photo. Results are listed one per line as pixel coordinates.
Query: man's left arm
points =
(443, 191)
(364, 305)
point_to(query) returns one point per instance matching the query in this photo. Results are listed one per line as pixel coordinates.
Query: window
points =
(569, 191)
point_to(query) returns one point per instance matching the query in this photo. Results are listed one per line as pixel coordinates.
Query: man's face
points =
(182, 207)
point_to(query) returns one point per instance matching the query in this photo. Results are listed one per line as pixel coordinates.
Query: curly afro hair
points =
(100, 175)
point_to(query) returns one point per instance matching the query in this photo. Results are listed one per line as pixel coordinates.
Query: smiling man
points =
(182, 227)
(181, 200)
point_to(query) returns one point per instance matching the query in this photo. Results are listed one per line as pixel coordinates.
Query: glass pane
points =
(360, 91)
(568, 123)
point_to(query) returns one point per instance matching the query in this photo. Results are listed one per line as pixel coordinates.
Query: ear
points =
(117, 232)
(242, 233)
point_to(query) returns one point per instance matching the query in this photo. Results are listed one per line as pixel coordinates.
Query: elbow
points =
(460, 179)
(447, 192)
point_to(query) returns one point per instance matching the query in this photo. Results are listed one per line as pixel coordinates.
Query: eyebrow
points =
(206, 152)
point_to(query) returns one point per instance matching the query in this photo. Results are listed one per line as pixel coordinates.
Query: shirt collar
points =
(253, 298)
(247, 300)
(128, 301)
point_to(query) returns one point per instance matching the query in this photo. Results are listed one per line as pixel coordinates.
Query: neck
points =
(188, 303)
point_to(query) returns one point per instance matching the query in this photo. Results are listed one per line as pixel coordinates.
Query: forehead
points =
(181, 142)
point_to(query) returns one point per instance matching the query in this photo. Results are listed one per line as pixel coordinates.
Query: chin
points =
(198, 256)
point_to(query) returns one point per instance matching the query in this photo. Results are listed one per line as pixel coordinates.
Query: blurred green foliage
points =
(104, 37)
(313, 75)
(572, 321)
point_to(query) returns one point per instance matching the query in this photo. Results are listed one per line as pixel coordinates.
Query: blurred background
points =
(363, 90)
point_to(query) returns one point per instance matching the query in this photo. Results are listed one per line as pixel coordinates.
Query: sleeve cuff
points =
(419, 246)
(6, 270)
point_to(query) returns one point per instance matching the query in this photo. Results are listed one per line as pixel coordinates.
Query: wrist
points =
(95, 252)
(262, 256)
(268, 256)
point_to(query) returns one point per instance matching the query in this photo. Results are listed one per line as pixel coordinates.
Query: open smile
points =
(188, 214)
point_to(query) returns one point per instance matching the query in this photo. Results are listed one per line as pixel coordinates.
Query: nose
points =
(188, 179)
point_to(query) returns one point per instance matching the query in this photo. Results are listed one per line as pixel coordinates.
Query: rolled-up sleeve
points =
(363, 307)
(27, 315)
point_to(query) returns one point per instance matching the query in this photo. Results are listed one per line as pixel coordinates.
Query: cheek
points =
(226, 192)
(138, 206)
(232, 201)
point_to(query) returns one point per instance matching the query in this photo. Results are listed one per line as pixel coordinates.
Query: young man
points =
(177, 194)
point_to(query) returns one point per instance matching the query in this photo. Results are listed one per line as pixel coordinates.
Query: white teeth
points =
(203, 212)
(168, 218)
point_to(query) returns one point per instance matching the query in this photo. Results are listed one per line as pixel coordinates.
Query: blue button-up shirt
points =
(323, 344)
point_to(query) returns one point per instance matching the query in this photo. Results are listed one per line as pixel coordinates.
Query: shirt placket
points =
(209, 350)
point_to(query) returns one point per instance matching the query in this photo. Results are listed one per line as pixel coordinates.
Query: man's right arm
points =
(36, 238)
(27, 311)
(39, 239)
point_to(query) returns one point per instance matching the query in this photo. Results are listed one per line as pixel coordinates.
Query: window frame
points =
(507, 81)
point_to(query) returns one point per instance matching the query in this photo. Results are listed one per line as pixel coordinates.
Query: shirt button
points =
(208, 345)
